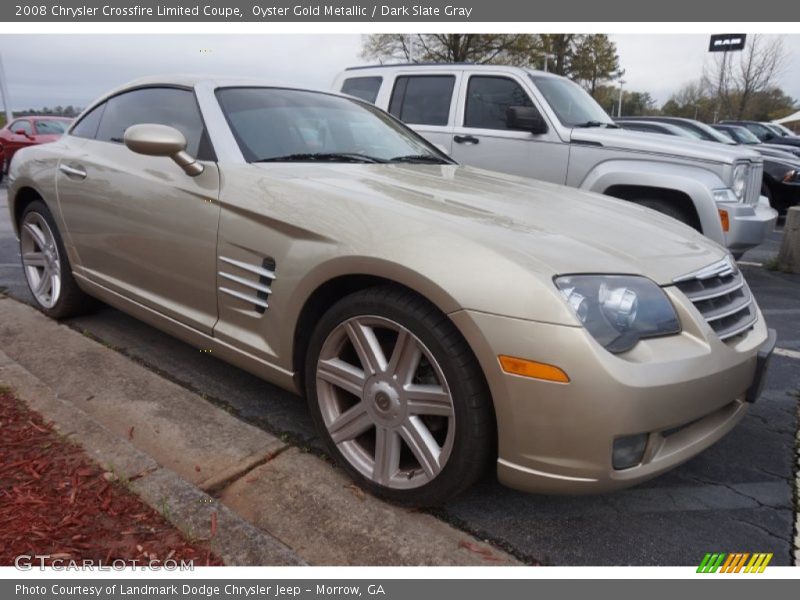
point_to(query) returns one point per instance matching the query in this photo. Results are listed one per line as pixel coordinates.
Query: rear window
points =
(422, 99)
(365, 88)
(51, 126)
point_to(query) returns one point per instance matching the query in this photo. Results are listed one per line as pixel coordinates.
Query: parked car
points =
(778, 129)
(28, 131)
(712, 133)
(534, 124)
(778, 182)
(765, 134)
(437, 317)
(783, 130)
(742, 135)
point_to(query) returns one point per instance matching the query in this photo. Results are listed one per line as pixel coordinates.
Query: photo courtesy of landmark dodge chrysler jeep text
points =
(437, 317)
(541, 125)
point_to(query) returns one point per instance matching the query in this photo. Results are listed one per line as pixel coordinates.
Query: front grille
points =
(720, 293)
(753, 189)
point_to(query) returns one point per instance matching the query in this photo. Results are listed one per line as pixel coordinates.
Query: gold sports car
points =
(438, 318)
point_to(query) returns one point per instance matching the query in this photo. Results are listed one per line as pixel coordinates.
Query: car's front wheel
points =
(398, 397)
(46, 266)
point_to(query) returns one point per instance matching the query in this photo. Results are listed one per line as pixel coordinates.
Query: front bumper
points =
(749, 225)
(684, 391)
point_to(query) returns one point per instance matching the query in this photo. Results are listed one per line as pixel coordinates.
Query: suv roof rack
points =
(409, 64)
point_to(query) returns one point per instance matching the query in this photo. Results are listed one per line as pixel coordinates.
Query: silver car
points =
(438, 318)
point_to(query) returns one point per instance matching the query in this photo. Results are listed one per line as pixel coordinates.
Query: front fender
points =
(694, 182)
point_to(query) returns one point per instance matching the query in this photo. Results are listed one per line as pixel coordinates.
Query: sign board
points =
(726, 42)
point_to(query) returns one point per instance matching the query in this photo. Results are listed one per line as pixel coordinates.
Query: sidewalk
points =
(187, 459)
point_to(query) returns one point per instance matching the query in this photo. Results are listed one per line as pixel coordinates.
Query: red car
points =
(28, 131)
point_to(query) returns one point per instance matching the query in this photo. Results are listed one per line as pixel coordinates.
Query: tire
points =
(435, 445)
(46, 266)
(667, 208)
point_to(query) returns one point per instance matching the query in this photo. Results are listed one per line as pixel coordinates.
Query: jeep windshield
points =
(285, 125)
(573, 106)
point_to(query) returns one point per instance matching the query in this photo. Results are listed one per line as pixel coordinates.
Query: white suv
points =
(544, 126)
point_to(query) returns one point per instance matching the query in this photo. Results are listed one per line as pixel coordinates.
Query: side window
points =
(22, 125)
(422, 99)
(164, 106)
(365, 88)
(87, 126)
(488, 98)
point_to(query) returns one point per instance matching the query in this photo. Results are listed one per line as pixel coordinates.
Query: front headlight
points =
(619, 310)
(739, 186)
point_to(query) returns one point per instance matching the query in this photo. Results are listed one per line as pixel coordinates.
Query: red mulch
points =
(55, 500)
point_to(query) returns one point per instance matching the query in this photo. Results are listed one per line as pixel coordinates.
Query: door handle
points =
(74, 172)
(465, 139)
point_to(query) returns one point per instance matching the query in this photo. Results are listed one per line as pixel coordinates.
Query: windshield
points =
(273, 124)
(51, 126)
(573, 106)
(712, 134)
(687, 133)
(746, 137)
(761, 132)
(785, 131)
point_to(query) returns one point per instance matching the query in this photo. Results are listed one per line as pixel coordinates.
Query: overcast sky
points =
(50, 70)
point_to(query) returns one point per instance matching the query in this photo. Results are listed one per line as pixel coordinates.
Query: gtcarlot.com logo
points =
(737, 562)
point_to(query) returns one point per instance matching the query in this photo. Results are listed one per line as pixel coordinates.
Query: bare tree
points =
(744, 75)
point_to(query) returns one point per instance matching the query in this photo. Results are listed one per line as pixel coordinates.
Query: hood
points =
(665, 145)
(550, 229)
(792, 150)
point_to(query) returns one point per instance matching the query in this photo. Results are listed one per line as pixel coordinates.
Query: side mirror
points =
(21, 132)
(151, 139)
(526, 118)
(769, 136)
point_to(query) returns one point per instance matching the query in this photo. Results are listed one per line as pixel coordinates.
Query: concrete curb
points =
(185, 506)
(275, 505)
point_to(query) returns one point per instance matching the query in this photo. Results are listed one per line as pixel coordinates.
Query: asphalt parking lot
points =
(737, 496)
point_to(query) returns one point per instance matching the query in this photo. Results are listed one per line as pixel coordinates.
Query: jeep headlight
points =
(619, 310)
(739, 185)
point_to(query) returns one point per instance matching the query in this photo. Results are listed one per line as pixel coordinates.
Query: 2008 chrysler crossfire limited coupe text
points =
(437, 317)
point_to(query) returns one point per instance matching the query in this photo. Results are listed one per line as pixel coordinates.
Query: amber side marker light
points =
(533, 369)
(723, 217)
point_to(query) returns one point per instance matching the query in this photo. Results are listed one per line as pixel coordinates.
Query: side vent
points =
(251, 283)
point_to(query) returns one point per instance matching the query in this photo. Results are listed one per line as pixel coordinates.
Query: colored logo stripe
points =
(734, 562)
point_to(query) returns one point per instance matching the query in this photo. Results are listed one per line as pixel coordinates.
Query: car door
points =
(142, 227)
(426, 103)
(16, 140)
(482, 138)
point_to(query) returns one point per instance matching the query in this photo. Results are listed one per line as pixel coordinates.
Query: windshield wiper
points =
(324, 156)
(597, 124)
(419, 158)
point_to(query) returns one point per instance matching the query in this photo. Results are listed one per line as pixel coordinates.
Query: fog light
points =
(628, 451)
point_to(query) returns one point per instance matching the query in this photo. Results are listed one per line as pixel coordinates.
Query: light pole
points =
(4, 92)
(547, 57)
(619, 107)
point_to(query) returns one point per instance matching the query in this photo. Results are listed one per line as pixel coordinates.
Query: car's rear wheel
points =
(46, 266)
(398, 397)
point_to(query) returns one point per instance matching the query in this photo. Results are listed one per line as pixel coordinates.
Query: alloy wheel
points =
(385, 402)
(40, 259)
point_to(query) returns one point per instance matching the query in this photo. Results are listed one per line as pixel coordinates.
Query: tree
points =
(594, 60)
(561, 47)
(739, 78)
(519, 49)
(693, 101)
